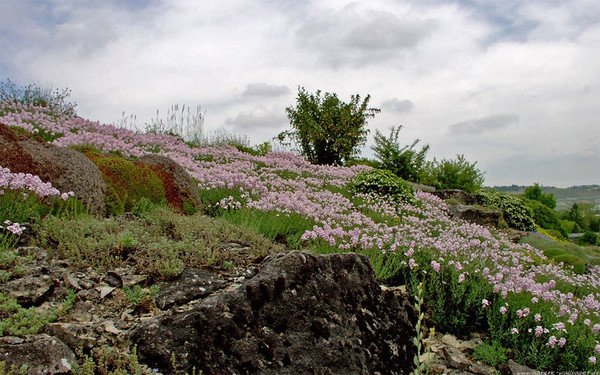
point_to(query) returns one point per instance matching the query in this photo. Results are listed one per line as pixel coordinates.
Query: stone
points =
(179, 185)
(301, 313)
(42, 354)
(456, 359)
(475, 214)
(29, 290)
(67, 169)
(190, 285)
(456, 196)
(105, 290)
(482, 369)
(74, 335)
(513, 368)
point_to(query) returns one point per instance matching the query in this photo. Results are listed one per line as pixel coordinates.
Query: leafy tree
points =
(403, 161)
(535, 192)
(453, 174)
(328, 130)
(589, 238)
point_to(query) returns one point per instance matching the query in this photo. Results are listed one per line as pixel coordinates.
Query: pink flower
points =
(597, 349)
(412, 264)
(520, 313)
(552, 341)
(537, 317)
(435, 265)
(514, 331)
(461, 278)
(562, 342)
(596, 328)
(534, 300)
(593, 359)
(485, 302)
(503, 310)
(587, 322)
(539, 330)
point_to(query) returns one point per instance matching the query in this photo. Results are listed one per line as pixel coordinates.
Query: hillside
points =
(475, 279)
(565, 197)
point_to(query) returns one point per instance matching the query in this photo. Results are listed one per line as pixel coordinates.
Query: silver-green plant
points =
(420, 368)
(180, 121)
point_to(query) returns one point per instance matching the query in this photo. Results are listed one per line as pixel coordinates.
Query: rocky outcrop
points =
(67, 169)
(180, 188)
(476, 214)
(456, 196)
(37, 354)
(299, 314)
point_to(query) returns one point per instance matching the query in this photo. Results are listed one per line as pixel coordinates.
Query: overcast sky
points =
(512, 84)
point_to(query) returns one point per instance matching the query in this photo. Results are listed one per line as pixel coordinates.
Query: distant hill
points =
(565, 197)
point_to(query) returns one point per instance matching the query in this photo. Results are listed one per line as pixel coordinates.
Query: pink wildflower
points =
(562, 342)
(552, 341)
(596, 328)
(485, 303)
(593, 359)
(514, 331)
(503, 310)
(537, 317)
(435, 265)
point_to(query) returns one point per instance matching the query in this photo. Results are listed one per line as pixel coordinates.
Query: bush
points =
(535, 193)
(128, 183)
(404, 162)
(328, 130)
(453, 174)
(544, 216)
(383, 182)
(516, 214)
(589, 238)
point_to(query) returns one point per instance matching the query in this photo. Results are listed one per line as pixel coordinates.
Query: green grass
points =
(587, 254)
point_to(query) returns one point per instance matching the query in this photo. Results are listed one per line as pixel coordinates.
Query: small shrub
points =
(383, 182)
(494, 355)
(35, 95)
(403, 161)
(453, 174)
(544, 216)
(589, 238)
(516, 214)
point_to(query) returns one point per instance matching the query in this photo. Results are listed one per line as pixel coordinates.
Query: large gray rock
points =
(476, 214)
(300, 314)
(42, 354)
(67, 169)
(457, 196)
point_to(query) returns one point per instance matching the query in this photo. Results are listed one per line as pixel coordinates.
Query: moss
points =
(128, 183)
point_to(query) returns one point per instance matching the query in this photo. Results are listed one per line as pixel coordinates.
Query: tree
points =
(328, 130)
(535, 192)
(453, 174)
(404, 162)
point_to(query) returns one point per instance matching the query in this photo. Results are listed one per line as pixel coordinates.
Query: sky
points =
(511, 84)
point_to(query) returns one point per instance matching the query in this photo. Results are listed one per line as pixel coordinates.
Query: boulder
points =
(179, 185)
(41, 354)
(67, 169)
(457, 196)
(299, 314)
(476, 214)
(513, 368)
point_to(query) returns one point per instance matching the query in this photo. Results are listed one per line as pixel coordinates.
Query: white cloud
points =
(487, 62)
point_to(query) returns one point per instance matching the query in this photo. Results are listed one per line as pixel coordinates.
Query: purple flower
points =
(461, 278)
(435, 265)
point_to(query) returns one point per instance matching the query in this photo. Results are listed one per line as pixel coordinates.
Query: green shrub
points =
(573, 260)
(535, 193)
(516, 214)
(589, 238)
(554, 251)
(403, 161)
(453, 174)
(544, 216)
(383, 182)
(128, 183)
(493, 355)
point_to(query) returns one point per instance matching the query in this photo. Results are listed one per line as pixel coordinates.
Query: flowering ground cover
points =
(474, 279)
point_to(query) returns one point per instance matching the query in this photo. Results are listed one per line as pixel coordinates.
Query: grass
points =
(589, 255)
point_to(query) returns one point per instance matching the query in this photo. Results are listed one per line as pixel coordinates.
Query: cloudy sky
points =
(512, 84)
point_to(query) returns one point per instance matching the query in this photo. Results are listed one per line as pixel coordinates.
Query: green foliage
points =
(12, 370)
(453, 174)
(404, 161)
(383, 182)
(328, 130)
(494, 355)
(18, 321)
(544, 216)
(160, 243)
(516, 214)
(535, 193)
(128, 183)
(139, 296)
(589, 238)
(35, 95)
